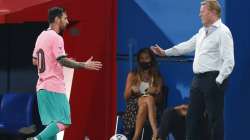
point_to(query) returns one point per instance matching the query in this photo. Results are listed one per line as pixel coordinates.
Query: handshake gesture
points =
(157, 50)
(91, 65)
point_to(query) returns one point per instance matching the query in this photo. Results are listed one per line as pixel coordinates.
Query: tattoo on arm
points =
(66, 62)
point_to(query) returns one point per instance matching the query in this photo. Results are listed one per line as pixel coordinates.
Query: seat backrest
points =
(1, 96)
(16, 109)
(162, 99)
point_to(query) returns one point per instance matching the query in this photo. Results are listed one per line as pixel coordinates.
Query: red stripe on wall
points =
(2, 19)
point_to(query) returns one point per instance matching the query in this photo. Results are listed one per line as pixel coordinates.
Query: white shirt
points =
(213, 52)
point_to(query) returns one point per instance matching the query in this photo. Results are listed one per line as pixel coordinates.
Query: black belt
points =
(208, 73)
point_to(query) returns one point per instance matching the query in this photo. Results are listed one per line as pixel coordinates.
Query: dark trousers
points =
(206, 96)
(174, 123)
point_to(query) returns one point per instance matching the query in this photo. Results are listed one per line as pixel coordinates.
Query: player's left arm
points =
(34, 61)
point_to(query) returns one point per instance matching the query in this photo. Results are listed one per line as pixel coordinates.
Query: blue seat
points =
(1, 95)
(16, 111)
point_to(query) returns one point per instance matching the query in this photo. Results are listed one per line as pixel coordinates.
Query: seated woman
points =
(143, 86)
(174, 121)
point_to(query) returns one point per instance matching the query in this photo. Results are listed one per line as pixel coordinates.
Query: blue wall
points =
(142, 23)
(237, 112)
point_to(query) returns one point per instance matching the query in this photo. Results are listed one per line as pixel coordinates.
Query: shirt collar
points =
(217, 23)
(214, 26)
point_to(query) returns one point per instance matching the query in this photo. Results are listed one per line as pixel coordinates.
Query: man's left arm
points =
(227, 56)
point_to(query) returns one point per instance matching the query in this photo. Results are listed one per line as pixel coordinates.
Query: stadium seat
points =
(16, 112)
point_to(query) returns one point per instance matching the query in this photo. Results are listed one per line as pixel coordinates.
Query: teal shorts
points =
(53, 107)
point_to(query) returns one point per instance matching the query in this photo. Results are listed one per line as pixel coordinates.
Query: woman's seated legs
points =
(152, 113)
(140, 118)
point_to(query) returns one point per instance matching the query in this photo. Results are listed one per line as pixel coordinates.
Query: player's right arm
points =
(59, 52)
(70, 63)
(89, 64)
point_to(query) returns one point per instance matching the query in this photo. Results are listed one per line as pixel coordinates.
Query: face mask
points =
(145, 65)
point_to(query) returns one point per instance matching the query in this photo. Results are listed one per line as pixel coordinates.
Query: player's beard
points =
(62, 28)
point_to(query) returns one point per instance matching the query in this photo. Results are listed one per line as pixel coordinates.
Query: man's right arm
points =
(182, 48)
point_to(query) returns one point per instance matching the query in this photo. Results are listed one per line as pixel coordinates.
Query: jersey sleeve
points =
(58, 48)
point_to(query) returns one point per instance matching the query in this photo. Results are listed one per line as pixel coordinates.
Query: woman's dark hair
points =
(55, 12)
(150, 53)
(153, 70)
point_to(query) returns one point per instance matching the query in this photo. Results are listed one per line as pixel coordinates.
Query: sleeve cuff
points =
(219, 79)
(166, 52)
(60, 57)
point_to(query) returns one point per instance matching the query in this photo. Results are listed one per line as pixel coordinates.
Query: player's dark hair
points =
(55, 12)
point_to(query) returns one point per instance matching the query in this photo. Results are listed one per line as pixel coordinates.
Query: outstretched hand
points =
(157, 50)
(92, 65)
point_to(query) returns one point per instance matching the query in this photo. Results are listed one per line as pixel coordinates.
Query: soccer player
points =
(49, 56)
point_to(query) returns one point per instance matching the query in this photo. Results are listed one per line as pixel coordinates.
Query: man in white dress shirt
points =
(213, 63)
